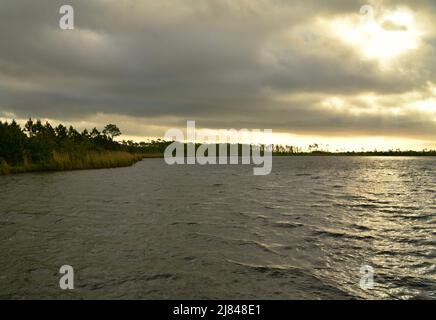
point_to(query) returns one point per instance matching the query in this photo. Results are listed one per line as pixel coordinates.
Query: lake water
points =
(153, 231)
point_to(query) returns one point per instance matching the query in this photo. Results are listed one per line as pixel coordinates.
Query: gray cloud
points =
(221, 62)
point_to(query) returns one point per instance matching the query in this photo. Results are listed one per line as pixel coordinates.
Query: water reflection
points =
(157, 231)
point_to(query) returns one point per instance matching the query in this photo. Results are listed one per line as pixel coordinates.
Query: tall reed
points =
(93, 159)
(76, 161)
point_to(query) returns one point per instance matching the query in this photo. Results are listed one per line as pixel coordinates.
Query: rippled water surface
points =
(157, 231)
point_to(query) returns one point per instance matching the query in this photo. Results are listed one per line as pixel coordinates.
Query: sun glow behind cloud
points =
(382, 38)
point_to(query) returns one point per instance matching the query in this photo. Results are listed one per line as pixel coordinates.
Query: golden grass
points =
(4, 167)
(94, 160)
(77, 161)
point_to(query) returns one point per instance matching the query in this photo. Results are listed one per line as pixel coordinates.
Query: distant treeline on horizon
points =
(40, 146)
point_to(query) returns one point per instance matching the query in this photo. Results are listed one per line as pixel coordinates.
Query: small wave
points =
(254, 215)
(6, 223)
(365, 205)
(359, 227)
(325, 206)
(416, 217)
(298, 276)
(340, 234)
(231, 241)
(258, 244)
(189, 223)
(338, 186)
(262, 217)
(287, 224)
(266, 268)
(271, 207)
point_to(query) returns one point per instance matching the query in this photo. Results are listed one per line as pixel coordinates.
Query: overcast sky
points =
(311, 70)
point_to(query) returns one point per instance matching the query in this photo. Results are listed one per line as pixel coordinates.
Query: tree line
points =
(37, 141)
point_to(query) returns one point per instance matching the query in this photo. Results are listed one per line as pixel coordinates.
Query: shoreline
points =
(90, 161)
(108, 163)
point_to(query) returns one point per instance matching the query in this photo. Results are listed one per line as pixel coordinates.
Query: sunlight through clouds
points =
(382, 38)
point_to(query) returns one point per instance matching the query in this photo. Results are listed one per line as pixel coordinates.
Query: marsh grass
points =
(93, 160)
(77, 161)
(4, 167)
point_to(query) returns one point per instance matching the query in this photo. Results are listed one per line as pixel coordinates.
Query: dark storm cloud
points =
(222, 62)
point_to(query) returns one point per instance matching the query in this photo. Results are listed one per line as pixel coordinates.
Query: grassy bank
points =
(73, 161)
